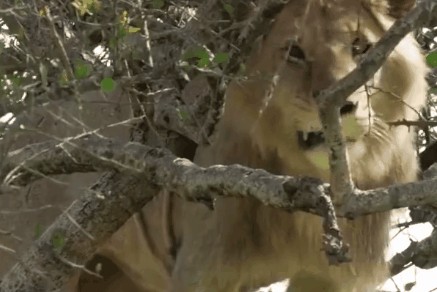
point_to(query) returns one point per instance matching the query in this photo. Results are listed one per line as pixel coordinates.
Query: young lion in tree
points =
(271, 121)
(312, 44)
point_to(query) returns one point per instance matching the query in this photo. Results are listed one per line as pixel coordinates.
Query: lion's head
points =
(271, 121)
(312, 45)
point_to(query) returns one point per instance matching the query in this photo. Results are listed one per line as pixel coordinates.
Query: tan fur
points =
(242, 244)
(246, 244)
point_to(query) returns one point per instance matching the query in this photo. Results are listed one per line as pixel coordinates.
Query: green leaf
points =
(113, 43)
(107, 84)
(229, 9)
(133, 29)
(241, 69)
(203, 63)
(38, 231)
(183, 115)
(58, 240)
(220, 58)
(82, 70)
(431, 59)
(157, 4)
(197, 52)
(17, 80)
(122, 31)
(86, 6)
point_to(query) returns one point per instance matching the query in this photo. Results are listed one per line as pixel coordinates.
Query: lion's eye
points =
(296, 54)
(360, 46)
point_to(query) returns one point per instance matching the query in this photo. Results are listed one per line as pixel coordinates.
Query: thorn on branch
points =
(422, 124)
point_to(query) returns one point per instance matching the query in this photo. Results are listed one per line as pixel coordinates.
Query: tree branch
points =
(68, 244)
(341, 180)
(191, 182)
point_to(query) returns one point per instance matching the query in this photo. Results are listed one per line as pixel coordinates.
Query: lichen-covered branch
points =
(162, 168)
(341, 181)
(68, 244)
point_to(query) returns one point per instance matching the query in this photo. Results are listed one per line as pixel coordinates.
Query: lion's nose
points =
(348, 107)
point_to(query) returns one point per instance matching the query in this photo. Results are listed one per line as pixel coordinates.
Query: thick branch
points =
(192, 182)
(80, 230)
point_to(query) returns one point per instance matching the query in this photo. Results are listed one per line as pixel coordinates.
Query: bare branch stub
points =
(341, 181)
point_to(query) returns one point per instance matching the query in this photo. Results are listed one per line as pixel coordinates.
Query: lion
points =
(271, 121)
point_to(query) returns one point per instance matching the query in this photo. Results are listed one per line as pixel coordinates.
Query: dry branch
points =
(341, 180)
(191, 182)
(102, 210)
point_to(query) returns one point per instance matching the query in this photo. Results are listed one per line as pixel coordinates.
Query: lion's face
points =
(317, 57)
(313, 46)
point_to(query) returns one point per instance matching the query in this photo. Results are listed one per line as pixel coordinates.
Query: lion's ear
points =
(398, 8)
